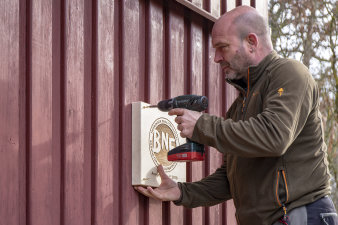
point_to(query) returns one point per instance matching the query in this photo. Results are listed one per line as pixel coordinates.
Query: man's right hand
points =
(167, 191)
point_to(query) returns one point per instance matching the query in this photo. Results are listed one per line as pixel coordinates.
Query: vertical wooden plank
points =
(107, 208)
(246, 2)
(197, 82)
(262, 7)
(215, 82)
(215, 8)
(197, 78)
(41, 156)
(176, 67)
(176, 78)
(231, 210)
(231, 4)
(156, 53)
(77, 190)
(11, 143)
(156, 82)
(132, 89)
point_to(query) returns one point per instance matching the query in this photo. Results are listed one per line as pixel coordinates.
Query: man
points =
(275, 167)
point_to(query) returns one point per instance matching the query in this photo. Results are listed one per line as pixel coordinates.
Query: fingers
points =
(183, 135)
(186, 120)
(178, 119)
(180, 127)
(143, 191)
(177, 112)
(149, 192)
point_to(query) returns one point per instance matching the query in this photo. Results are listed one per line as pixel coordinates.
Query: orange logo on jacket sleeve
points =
(280, 91)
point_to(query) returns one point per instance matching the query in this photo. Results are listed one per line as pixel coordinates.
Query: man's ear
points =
(252, 40)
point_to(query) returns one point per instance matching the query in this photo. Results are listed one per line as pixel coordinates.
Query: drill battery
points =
(190, 151)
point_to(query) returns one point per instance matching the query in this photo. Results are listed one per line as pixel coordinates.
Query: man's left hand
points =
(186, 120)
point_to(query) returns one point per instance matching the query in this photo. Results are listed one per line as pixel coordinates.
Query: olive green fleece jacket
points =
(272, 140)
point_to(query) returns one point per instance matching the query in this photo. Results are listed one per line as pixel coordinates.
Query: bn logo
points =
(162, 138)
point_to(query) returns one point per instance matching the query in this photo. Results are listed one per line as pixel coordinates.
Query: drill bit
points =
(150, 106)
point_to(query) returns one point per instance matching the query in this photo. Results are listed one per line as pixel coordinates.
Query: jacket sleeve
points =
(211, 190)
(286, 106)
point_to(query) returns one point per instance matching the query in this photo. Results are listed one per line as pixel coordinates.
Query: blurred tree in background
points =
(307, 30)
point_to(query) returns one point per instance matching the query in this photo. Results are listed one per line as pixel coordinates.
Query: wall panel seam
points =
(62, 109)
(94, 120)
(28, 106)
(121, 97)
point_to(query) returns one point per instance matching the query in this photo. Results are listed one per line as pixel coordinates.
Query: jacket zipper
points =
(281, 173)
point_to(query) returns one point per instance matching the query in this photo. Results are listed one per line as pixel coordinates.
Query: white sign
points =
(154, 133)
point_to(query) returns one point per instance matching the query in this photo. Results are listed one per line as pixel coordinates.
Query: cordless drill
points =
(190, 151)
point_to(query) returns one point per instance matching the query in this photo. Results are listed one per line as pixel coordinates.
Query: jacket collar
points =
(255, 72)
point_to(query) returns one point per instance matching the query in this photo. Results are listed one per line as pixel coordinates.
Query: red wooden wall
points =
(69, 70)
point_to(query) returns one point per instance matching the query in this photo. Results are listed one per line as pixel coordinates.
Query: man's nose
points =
(218, 56)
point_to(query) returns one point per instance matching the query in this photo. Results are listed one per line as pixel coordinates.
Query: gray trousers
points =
(320, 212)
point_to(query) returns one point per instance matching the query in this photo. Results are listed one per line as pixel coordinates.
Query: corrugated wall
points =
(69, 70)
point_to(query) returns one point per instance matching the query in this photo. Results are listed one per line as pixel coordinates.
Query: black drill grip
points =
(191, 102)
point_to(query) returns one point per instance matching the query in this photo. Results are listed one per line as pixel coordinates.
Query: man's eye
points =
(225, 47)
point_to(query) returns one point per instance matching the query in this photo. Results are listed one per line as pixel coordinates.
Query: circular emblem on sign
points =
(162, 138)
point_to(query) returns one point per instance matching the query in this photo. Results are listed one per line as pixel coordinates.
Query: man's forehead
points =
(218, 31)
(221, 34)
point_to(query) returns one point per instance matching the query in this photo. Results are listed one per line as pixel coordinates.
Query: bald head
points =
(241, 39)
(242, 21)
